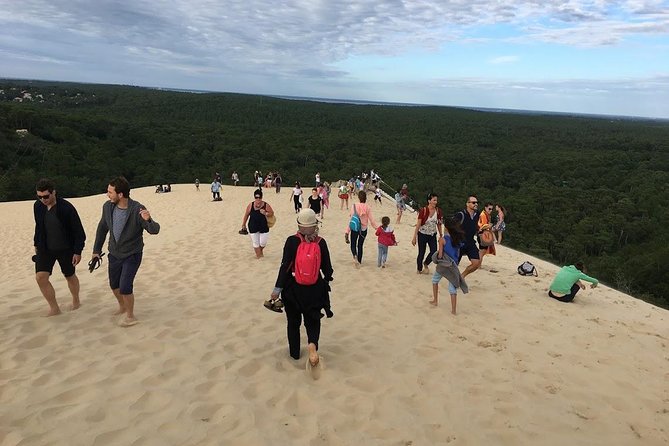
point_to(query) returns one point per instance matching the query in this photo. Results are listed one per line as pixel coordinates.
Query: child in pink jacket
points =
(386, 238)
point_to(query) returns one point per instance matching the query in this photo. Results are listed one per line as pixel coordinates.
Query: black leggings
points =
(567, 297)
(357, 240)
(216, 195)
(294, 319)
(423, 240)
(296, 200)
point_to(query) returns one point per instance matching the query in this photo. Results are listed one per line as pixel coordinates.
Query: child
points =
(386, 238)
(450, 244)
(377, 195)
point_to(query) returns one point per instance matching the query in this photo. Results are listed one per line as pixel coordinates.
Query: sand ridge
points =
(209, 365)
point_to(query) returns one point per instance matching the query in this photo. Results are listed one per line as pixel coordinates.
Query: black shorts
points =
(46, 259)
(470, 250)
(122, 272)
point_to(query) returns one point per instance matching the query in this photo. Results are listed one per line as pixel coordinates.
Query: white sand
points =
(209, 365)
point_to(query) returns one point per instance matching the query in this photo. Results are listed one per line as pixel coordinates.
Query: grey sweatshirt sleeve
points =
(151, 226)
(100, 233)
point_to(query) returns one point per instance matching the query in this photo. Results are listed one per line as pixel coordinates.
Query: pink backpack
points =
(307, 266)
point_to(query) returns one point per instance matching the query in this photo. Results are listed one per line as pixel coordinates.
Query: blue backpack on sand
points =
(355, 224)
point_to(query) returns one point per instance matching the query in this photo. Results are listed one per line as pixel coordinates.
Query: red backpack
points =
(307, 266)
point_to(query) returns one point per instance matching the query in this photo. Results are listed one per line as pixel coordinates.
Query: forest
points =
(575, 187)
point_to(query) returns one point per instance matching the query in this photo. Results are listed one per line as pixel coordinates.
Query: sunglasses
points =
(44, 197)
(257, 196)
(473, 202)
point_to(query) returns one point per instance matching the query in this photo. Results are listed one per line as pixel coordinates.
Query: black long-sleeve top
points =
(307, 297)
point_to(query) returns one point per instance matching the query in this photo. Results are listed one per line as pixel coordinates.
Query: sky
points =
(577, 56)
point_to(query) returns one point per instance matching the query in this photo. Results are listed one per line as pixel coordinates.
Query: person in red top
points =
(386, 238)
(428, 224)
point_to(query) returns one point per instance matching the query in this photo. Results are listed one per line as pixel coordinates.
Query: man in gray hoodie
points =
(125, 219)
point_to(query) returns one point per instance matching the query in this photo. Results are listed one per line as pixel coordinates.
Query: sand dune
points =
(208, 365)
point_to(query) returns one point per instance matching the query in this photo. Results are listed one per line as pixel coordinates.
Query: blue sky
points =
(584, 56)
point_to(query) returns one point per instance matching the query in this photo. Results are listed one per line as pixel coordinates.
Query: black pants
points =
(423, 242)
(298, 205)
(216, 195)
(357, 240)
(294, 318)
(567, 297)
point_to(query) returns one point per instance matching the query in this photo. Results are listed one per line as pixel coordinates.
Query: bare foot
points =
(313, 355)
(433, 302)
(53, 312)
(119, 311)
(383, 266)
(74, 306)
(426, 269)
(128, 322)
(453, 313)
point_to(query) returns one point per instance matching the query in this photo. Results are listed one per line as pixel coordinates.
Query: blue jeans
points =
(436, 277)
(383, 255)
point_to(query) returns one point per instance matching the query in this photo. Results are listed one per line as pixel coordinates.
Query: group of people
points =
(60, 237)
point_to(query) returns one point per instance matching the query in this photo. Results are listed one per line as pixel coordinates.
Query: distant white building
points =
(22, 132)
(27, 96)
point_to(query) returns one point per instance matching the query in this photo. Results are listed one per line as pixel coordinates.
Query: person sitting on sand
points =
(567, 282)
(304, 302)
(59, 236)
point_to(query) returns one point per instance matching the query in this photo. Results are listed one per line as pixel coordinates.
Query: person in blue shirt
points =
(450, 244)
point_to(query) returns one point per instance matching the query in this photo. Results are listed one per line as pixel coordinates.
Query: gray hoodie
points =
(131, 241)
(449, 269)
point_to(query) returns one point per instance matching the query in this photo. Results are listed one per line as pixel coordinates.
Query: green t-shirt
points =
(567, 277)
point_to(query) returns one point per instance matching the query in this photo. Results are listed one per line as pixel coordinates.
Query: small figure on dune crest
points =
(567, 282)
(386, 238)
(303, 284)
(126, 220)
(447, 265)
(257, 214)
(59, 237)
(216, 190)
(296, 196)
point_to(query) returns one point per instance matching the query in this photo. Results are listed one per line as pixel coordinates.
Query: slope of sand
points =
(209, 365)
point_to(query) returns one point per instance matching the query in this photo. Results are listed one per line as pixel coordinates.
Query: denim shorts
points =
(436, 277)
(122, 272)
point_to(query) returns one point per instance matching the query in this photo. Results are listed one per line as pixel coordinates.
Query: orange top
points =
(484, 219)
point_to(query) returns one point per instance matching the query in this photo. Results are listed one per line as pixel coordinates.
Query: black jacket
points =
(69, 218)
(309, 298)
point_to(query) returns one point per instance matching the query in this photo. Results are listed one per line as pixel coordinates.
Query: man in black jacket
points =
(59, 236)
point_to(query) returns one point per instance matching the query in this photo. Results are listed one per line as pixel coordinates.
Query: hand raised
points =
(145, 214)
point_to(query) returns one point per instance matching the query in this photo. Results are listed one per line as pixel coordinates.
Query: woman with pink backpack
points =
(303, 283)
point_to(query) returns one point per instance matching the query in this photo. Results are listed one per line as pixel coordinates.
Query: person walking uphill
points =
(428, 224)
(568, 282)
(468, 219)
(303, 283)
(125, 220)
(59, 236)
(361, 217)
(257, 213)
